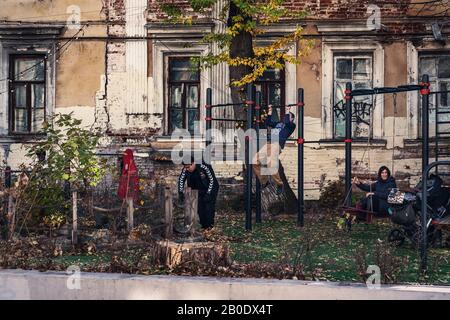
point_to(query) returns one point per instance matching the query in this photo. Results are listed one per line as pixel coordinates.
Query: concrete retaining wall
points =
(18, 284)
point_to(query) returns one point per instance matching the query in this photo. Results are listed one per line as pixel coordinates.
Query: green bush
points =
(63, 160)
(333, 195)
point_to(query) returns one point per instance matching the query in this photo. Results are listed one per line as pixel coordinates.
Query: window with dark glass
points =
(272, 87)
(184, 93)
(437, 66)
(357, 69)
(27, 93)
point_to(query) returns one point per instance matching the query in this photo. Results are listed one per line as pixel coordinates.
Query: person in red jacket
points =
(129, 181)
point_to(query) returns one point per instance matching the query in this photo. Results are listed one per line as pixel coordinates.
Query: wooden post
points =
(11, 215)
(168, 212)
(91, 203)
(130, 214)
(74, 218)
(190, 209)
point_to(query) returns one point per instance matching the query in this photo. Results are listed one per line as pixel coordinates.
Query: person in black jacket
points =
(377, 192)
(200, 177)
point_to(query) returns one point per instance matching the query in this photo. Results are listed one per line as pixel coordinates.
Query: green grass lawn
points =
(329, 253)
(320, 250)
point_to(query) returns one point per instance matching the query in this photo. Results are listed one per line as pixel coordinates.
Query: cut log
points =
(190, 210)
(174, 254)
(168, 212)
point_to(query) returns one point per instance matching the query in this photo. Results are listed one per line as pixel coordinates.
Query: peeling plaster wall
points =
(78, 74)
(110, 86)
(79, 85)
(48, 10)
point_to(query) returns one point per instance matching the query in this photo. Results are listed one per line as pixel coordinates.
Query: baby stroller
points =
(405, 213)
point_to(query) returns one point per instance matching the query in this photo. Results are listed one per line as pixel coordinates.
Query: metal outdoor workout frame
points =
(424, 88)
(253, 104)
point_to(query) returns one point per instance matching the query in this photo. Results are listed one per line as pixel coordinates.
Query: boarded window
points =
(27, 93)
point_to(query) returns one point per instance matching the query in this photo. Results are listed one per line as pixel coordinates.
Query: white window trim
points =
(413, 97)
(176, 48)
(329, 47)
(9, 48)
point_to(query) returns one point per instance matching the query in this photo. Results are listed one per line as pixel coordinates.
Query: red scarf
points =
(129, 181)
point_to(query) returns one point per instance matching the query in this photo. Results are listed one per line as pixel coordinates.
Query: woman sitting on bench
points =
(377, 193)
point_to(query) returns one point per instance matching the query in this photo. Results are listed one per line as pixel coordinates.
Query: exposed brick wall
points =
(115, 10)
(332, 10)
(157, 14)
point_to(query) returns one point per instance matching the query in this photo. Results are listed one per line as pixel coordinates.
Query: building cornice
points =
(32, 29)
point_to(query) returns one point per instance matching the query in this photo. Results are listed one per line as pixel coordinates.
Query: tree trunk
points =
(273, 204)
(242, 46)
(290, 203)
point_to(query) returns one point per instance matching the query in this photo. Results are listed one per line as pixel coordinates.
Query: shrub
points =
(62, 160)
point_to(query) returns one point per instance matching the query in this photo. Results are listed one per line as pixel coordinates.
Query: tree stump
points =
(173, 254)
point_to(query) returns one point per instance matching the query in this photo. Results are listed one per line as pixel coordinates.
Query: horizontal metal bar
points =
(438, 92)
(443, 122)
(366, 92)
(227, 105)
(443, 112)
(227, 120)
(281, 107)
(317, 141)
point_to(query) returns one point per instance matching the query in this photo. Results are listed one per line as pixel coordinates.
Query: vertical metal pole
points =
(208, 116)
(348, 143)
(425, 92)
(423, 247)
(436, 140)
(300, 157)
(248, 210)
(258, 183)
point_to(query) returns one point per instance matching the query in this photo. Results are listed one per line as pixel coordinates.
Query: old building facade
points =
(121, 69)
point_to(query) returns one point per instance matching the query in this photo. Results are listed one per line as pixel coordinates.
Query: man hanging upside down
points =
(200, 177)
(271, 150)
